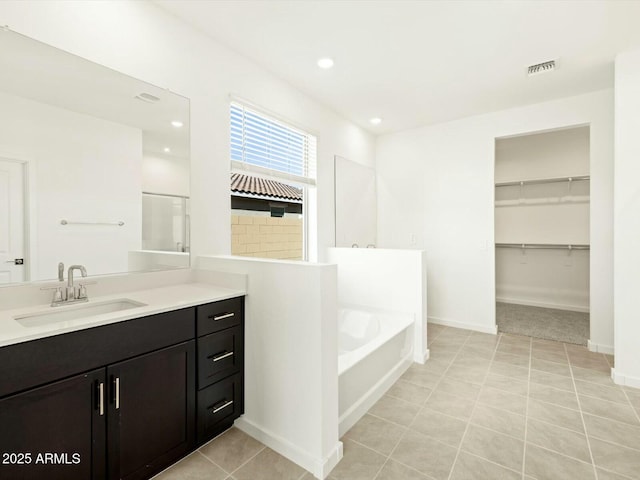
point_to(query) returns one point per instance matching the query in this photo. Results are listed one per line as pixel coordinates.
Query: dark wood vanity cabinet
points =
(135, 408)
(220, 330)
(61, 419)
(151, 411)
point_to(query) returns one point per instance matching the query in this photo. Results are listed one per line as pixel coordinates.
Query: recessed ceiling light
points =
(375, 120)
(167, 149)
(325, 62)
(147, 97)
(177, 123)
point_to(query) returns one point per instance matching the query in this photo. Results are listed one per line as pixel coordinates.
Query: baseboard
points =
(320, 467)
(622, 379)
(467, 326)
(595, 347)
(532, 303)
(421, 358)
(375, 393)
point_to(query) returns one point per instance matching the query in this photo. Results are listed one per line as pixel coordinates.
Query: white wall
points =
(435, 192)
(140, 39)
(81, 168)
(291, 357)
(627, 219)
(165, 174)
(543, 278)
(560, 153)
(556, 213)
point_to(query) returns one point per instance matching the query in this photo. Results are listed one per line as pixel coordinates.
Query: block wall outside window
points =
(266, 237)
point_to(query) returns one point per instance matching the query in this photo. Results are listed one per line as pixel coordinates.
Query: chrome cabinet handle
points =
(222, 357)
(117, 395)
(101, 398)
(222, 317)
(222, 407)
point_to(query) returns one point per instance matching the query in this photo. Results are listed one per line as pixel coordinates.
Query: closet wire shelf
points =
(544, 246)
(544, 180)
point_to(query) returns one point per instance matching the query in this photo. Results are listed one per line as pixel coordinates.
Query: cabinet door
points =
(151, 415)
(56, 431)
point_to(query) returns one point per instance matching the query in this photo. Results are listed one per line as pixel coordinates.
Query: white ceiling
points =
(422, 62)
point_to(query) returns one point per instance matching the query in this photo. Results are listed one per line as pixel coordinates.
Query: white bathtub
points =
(375, 348)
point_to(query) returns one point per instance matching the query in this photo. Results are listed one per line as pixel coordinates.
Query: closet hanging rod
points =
(542, 246)
(544, 180)
(69, 222)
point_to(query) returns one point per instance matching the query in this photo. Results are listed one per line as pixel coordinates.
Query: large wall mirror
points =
(94, 167)
(356, 205)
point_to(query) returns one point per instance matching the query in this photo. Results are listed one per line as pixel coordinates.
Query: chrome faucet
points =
(73, 294)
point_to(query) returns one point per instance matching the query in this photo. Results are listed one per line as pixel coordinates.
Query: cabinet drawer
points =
(220, 354)
(220, 315)
(218, 406)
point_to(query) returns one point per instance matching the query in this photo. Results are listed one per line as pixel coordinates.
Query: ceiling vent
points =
(543, 67)
(147, 97)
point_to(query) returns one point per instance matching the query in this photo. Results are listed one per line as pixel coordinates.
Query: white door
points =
(11, 222)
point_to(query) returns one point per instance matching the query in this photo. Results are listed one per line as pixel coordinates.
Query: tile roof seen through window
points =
(262, 187)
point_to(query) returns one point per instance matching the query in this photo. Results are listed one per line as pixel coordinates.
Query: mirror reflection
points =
(94, 167)
(356, 215)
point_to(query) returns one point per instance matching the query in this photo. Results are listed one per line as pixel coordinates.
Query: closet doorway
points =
(542, 235)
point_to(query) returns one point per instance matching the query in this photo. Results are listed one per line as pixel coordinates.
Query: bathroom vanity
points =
(125, 399)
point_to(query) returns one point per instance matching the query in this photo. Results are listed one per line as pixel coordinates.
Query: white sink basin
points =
(74, 312)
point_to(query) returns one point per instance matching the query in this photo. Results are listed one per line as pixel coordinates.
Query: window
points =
(268, 146)
(273, 166)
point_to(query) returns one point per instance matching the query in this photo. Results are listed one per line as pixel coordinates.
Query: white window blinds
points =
(267, 146)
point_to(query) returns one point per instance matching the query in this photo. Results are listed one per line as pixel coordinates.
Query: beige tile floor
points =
(483, 407)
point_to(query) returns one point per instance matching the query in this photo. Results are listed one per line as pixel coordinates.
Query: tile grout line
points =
(436, 337)
(214, 463)
(557, 426)
(491, 461)
(567, 377)
(459, 353)
(389, 458)
(526, 411)
(229, 474)
(466, 429)
(626, 395)
(543, 421)
(373, 449)
(611, 442)
(584, 425)
(587, 413)
(426, 400)
(621, 475)
(406, 428)
(264, 447)
(542, 447)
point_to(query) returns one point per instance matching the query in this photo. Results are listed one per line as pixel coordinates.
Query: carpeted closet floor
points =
(547, 323)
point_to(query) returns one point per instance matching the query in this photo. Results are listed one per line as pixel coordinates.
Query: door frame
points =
(518, 133)
(30, 216)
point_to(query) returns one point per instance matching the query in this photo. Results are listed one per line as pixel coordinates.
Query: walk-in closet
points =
(542, 234)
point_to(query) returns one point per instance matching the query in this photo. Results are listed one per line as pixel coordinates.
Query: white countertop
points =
(156, 300)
